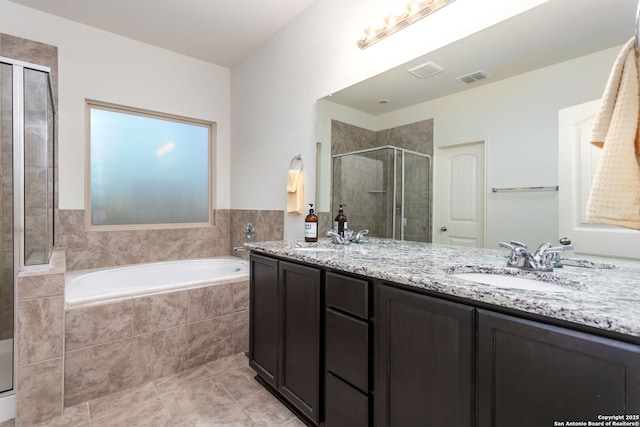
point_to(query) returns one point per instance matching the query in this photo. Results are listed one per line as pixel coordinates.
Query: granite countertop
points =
(603, 297)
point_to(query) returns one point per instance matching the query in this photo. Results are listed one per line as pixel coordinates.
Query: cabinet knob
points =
(443, 228)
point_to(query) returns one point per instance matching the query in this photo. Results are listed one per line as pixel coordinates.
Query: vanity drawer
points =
(344, 405)
(348, 294)
(347, 348)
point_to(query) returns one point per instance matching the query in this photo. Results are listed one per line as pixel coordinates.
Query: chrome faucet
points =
(337, 238)
(359, 237)
(545, 258)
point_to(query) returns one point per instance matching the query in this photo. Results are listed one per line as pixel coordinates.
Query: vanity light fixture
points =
(414, 11)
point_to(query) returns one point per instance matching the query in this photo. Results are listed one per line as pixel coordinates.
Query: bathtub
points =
(129, 325)
(100, 285)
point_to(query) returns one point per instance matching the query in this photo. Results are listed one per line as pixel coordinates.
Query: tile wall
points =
(40, 334)
(93, 249)
(35, 53)
(40, 307)
(150, 337)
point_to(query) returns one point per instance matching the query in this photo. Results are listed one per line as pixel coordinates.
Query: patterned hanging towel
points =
(615, 192)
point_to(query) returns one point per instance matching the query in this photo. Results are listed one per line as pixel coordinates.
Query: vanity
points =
(387, 333)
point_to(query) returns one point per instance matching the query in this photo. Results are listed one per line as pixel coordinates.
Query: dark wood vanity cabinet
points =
(347, 351)
(424, 360)
(351, 351)
(285, 331)
(264, 318)
(533, 374)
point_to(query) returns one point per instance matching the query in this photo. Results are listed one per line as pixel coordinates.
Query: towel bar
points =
(552, 188)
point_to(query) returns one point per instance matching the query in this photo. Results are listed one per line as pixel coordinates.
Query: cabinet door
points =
(264, 318)
(424, 363)
(299, 376)
(532, 374)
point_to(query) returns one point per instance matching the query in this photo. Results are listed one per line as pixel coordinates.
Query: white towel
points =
(615, 193)
(295, 179)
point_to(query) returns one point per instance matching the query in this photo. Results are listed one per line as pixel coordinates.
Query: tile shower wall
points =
(36, 53)
(150, 337)
(40, 342)
(346, 138)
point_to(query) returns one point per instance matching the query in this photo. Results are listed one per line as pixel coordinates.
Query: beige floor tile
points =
(266, 410)
(239, 383)
(200, 399)
(123, 401)
(294, 423)
(228, 363)
(232, 415)
(146, 414)
(178, 381)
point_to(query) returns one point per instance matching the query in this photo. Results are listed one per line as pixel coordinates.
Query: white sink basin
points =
(512, 282)
(314, 249)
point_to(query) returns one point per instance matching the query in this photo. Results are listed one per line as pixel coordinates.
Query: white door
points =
(460, 195)
(578, 159)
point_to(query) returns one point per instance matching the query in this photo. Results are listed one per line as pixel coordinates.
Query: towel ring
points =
(296, 158)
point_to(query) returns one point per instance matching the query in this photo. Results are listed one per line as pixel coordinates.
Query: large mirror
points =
(520, 74)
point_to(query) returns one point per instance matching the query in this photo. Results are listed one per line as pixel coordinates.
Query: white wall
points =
(274, 90)
(518, 117)
(94, 64)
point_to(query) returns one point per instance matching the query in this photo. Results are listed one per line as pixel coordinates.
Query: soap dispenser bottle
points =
(311, 226)
(340, 222)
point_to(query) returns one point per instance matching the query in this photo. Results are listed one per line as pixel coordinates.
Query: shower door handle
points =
(443, 228)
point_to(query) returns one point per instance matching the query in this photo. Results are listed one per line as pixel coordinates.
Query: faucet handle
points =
(506, 245)
(519, 244)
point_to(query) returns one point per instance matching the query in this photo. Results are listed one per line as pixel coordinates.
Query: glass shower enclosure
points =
(27, 118)
(386, 190)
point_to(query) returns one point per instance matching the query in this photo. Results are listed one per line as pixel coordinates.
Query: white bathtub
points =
(91, 286)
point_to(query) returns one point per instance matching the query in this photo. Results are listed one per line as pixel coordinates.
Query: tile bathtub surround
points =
(269, 226)
(40, 342)
(94, 249)
(123, 344)
(222, 392)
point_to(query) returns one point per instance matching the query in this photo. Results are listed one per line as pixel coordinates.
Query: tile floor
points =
(220, 393)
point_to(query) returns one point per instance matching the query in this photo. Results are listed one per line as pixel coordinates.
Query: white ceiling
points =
(222, 32)
(555, 31)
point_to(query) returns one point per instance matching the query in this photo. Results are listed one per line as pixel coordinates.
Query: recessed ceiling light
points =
(383, 101)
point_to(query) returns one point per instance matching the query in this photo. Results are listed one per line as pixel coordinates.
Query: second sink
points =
(512, 282)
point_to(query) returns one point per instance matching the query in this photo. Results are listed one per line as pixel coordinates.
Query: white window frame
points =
(93, 104)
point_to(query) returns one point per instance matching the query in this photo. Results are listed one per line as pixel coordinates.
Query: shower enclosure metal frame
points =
(19, 160)
(19, 140)
(396, 150)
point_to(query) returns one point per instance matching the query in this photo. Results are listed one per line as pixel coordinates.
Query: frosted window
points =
(147, 169)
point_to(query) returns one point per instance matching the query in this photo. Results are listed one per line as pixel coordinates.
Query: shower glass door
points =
(416, 188)
(6, 231)
(385, 190)
(27, 135)
(38, 167)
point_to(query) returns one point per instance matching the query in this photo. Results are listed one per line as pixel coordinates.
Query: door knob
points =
(443, 228)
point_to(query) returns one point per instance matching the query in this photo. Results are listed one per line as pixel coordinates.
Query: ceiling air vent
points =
(425, 70)
(473, 77)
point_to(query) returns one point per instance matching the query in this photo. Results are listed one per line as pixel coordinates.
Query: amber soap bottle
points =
(311, 226)
(340, 222)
